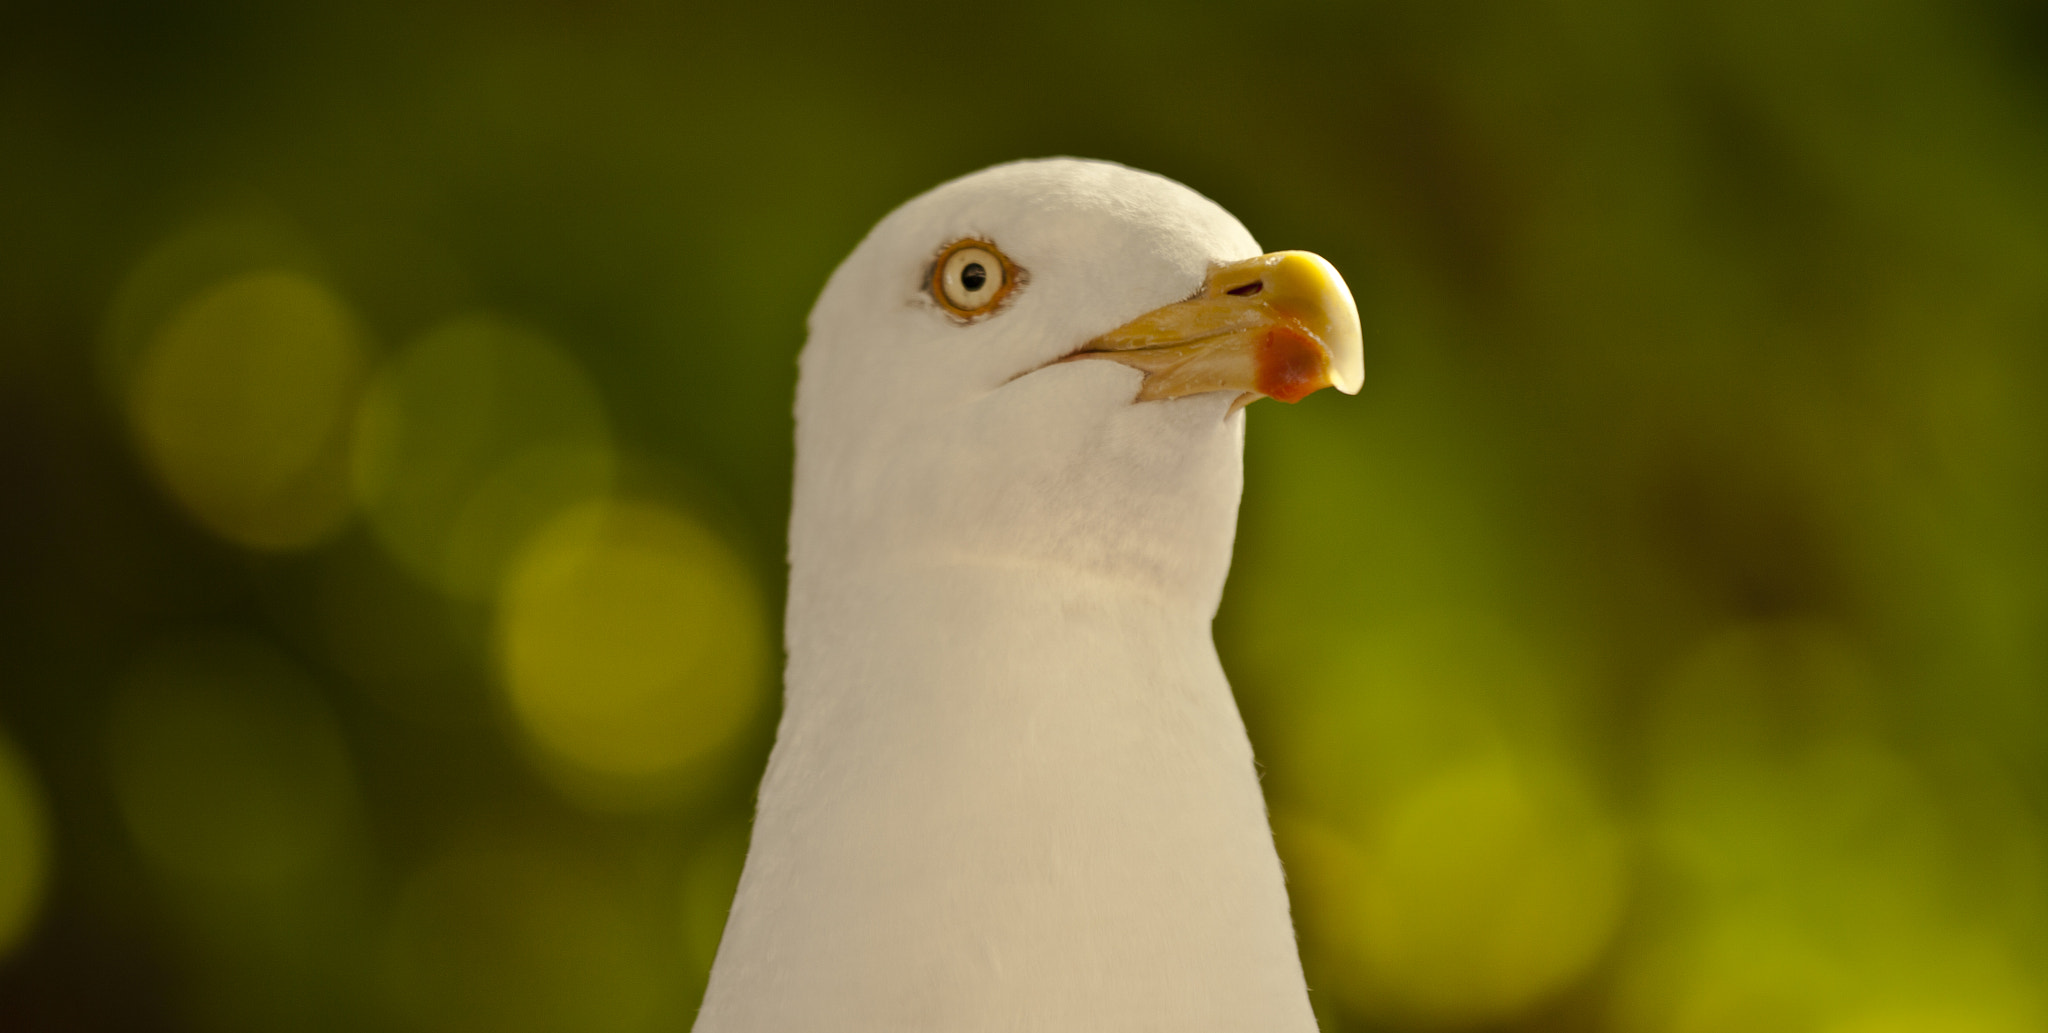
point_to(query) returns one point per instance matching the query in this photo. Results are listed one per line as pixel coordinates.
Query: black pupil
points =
(973, 276)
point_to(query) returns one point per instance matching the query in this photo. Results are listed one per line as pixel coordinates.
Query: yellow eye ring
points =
(971, 278)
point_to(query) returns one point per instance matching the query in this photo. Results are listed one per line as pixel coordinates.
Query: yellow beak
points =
(1277, 326)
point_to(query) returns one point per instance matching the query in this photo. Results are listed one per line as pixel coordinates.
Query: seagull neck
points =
(1004, 797)
(1012, 606)
(911, 575)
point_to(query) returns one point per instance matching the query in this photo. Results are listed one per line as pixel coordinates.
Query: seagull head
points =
(1044, 365)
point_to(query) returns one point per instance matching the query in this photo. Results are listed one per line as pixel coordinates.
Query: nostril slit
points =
(1248, 289)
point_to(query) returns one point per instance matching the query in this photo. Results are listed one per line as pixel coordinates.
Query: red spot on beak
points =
(1291, 364)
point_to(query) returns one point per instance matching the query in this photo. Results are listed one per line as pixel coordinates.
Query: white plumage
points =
(1011, 789)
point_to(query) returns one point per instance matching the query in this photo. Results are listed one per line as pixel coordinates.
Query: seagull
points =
(1010, 789)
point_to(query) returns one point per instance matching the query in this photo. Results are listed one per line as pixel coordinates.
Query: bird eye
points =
(971, 277)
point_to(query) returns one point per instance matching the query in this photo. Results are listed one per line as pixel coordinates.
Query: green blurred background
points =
(394, 462)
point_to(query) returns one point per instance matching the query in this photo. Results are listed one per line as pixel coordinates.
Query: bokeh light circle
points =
(1451, 867)
(197, 257)
(240, 402)
(24, 848)
(1475, 897)
(228, 768)
(1494, 890)
(471, 439)
(631, 641)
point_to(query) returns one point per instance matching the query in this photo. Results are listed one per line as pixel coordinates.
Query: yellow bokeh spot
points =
(469, 441)
(180, 267)
(240, 402)
(228, 769)
(1450, 866)
(24, 848)
(1471, 899)
(501, 937)
(631, 642)
(1495, 891)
